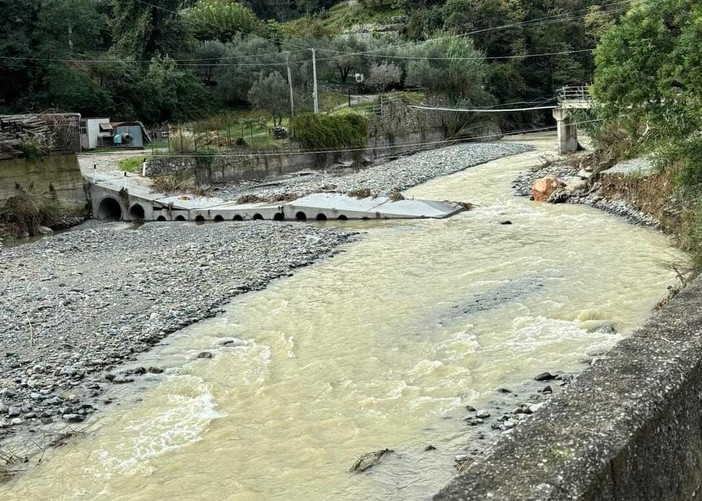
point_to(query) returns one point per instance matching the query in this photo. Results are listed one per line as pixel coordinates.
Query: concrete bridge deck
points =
(125, 198)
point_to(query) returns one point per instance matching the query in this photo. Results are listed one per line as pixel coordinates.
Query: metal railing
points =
(573, 93)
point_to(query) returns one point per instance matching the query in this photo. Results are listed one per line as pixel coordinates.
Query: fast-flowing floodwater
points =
(381, 346)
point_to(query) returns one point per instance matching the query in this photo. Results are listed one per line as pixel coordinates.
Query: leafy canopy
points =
(220, 20)
(271, 93)
(648, 74)
(449, 66)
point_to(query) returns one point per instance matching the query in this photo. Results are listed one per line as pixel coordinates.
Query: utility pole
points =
(314, 76)
(292, 102)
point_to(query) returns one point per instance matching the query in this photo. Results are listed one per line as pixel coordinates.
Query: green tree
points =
(488, 21)
(220, 20)
(143, 29)
(37, 40)
(347, 55)
(169, 93)
(648, 76)
(209, 56)
(271, 93)
(248, 58)
(449, 66)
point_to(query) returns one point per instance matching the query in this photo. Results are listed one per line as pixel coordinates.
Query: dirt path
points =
(106, 162)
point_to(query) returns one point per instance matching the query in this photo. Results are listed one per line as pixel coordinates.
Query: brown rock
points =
(542, 188)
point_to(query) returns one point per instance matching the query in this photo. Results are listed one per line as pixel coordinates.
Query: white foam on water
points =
(290, 344)
(397, 390)
(458, 345)
(439, 405)
(425, 368)
(591, 314)
(246, 364)
(177, 422)
(533, 333)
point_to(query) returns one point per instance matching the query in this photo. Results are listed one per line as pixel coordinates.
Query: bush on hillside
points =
(321, 132)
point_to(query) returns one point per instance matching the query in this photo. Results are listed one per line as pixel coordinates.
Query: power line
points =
(184, 62)
(447, 142)
(476, 58)
(566, 16)
(483, 110)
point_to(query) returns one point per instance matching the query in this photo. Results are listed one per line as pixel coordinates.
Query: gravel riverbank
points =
(591, 195)
(384, 179)
(75, 306)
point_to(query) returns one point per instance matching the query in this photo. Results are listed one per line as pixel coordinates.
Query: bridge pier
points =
(567, 131)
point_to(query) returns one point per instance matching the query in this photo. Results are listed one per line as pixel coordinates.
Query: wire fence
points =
(231, 133)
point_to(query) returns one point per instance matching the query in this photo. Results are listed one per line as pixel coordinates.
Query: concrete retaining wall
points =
(239, 167)
(629, 428)
(59, 173)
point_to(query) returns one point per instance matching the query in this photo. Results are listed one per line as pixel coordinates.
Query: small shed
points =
(95, 132)
(130, 134)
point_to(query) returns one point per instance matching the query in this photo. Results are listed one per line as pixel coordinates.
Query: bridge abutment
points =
(567, 131)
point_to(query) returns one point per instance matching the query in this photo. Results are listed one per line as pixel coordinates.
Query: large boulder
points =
(577, 186)
(559, 196)
(542, 188)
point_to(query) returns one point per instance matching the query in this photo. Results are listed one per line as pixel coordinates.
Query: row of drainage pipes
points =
(299, 216)
(110, 209)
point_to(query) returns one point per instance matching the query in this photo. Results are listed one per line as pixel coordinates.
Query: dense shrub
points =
(322, 132)
(24, 212)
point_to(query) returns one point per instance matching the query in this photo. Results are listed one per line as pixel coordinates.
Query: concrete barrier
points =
(59, 174)
(628, 428)
(241, 166)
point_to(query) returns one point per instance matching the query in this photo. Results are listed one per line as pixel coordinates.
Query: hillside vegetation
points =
(178, 60)
(649, 94)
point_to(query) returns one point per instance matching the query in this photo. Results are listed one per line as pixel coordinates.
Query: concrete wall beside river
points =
(241, 166)
(396, 130)
(629, 428)
(54, 173)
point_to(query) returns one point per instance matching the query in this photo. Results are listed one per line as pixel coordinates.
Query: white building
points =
(92, 132)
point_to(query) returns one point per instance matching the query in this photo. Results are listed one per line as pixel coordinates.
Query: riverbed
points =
(381, 347)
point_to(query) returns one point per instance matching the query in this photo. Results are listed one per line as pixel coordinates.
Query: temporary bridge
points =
(119, 199)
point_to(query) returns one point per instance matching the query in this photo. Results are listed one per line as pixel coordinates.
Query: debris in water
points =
(369, 460)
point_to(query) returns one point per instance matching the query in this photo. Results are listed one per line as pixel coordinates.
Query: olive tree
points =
(451, 67)
(271, 93)
(383, 76)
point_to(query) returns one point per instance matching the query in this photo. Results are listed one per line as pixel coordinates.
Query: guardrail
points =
(573, 93)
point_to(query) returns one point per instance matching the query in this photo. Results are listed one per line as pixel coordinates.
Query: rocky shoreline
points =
(578, 189)
(505, 411)
(76, 306)
(385, 179)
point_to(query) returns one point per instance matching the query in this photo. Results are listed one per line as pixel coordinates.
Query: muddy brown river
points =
(381, 346)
